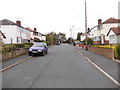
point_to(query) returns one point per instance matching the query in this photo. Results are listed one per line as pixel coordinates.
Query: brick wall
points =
(103, 51)
(97, 42)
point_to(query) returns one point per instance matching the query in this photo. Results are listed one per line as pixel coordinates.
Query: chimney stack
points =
(88, 30)
(18, 23)
(99, 21)
(35, 29)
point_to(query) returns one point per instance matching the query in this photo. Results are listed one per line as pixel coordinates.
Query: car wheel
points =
(43, 53)
(30, 54)
(46, 52)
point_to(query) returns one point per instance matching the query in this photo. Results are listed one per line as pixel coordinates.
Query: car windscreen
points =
(38, 45)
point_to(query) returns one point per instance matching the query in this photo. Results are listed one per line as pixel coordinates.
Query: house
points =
(99, 32)
(83, 36)
(36, 36)
(31, 34)
(43, 38)
(114, 35)
(14, 32)
(2, 37)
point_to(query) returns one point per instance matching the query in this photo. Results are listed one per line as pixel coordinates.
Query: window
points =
(97, 38)
(112, 39)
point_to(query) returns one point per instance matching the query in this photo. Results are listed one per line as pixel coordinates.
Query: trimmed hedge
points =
(89, 41)
(115, 47)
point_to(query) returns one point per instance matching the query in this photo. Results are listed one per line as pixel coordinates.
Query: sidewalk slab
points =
(9, 62)
(107, 64)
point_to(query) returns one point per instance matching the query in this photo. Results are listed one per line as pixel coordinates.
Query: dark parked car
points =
(38, 49)
(57, 43)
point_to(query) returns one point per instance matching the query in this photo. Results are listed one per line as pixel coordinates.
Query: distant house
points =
(36, 36)
(83, 36)
(2, 37)
(43, 38)
(99, 32)
(14, 32)
(114, 35)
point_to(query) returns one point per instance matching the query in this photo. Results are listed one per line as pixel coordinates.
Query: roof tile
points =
(116, 30)
(111, 20)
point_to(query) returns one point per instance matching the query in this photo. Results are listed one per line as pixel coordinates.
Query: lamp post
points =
(70, 32)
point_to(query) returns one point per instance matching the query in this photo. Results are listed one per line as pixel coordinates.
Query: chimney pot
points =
(99, 21)
(35, 29)
(18, 23)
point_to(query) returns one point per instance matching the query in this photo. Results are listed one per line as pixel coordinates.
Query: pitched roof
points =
(43, 34)
(116, 30)
(31, 30)
(8, 22)
(111, 20)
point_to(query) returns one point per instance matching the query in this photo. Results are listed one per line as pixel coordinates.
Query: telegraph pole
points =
(86, 25)
(70, 32)
(73, 31)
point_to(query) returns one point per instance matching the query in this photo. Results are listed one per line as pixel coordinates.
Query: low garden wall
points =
(103, 51)
(9, 51)
(14, 53)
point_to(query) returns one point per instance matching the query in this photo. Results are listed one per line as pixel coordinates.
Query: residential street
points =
(62, 67)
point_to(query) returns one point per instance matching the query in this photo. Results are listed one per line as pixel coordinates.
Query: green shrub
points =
(118, 50)
(10, 47)
(89, 41)
(7, 48)
(28, 44)
(19, 45)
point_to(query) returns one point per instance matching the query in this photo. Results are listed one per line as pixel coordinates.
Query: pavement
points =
(108, 65)
(11, 61)
(62, 67)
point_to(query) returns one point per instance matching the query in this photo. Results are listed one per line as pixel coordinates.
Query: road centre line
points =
(8, 67)
(106, 74)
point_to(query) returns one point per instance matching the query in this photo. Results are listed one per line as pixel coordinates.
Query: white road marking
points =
(110, 77)
(8, 67)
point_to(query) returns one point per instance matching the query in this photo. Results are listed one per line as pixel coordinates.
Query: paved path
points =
(13, 60)
(107, 64)
(62, 67)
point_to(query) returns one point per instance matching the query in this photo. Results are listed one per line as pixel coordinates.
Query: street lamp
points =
(70, 32)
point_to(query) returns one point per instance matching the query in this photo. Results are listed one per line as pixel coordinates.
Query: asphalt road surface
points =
(62, 67)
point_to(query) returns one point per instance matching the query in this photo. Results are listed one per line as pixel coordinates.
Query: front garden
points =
(115, 47)
(11, 47)
(13, 50)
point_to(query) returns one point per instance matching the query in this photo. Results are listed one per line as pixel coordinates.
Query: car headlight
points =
(30, 49)
(40, 50)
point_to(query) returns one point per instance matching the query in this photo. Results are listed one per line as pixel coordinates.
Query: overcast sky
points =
(58, 15)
